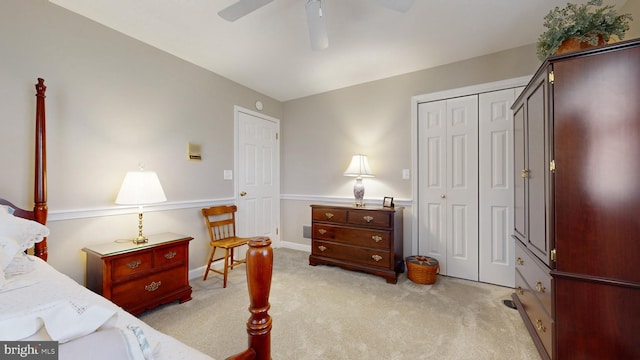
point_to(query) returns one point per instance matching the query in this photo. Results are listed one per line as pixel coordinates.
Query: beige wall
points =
(112, 102)
(321, 133)
(632, 7)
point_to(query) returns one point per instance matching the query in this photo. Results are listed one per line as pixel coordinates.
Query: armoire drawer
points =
(536, 275)
(378, 239)
(540, 320)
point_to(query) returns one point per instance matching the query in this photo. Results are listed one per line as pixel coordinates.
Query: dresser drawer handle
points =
(170, 255)
(368, 218)
(322, 248)
(540, 287)
(153, 286)
(322, 231)
(519, 290)
(539, 326)
(519, 261)
(328, 215)
(376, 257)
(376, 238)
(134, 264)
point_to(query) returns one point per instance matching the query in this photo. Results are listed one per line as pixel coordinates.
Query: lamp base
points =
(358, 192)
(140, 240)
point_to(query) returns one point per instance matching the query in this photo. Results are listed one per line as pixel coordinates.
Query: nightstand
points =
(138, 277)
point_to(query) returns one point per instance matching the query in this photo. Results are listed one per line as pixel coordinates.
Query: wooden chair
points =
(221, 223)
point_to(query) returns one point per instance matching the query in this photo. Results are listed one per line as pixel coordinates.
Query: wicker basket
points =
(422, 269)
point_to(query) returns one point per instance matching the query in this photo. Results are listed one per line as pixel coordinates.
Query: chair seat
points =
(230, 242)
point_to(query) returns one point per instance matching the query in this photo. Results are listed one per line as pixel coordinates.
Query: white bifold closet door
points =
(465, 188)
(448, 188)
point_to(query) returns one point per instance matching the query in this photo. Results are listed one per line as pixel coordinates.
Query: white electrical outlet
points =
(406, 175)
(228, 174)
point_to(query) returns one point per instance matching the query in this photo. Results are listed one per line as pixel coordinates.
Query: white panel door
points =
(496, 187)
(448, 191)
(258, 175)
(432, 130)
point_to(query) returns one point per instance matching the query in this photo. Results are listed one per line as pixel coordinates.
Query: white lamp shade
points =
(140, 188)
(359, 166)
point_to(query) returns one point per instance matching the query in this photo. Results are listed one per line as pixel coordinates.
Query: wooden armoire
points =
(577, 204)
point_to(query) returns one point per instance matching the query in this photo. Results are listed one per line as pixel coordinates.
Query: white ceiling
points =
(268, 50)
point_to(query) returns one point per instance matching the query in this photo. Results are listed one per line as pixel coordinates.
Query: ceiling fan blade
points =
(241, 8)
(317, 25)
(397, 5)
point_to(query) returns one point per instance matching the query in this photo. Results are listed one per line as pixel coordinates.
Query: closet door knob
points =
(443, 196)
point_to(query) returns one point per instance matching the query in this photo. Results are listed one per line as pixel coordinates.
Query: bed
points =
(38, 303)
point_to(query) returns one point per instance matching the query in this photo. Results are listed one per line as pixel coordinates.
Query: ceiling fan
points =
(315, 18)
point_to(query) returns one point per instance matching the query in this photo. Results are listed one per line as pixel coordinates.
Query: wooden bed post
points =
(259, 271)
(40, 208)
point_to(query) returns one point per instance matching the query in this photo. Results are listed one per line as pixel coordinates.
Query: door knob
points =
(443, 196)
(243, 193)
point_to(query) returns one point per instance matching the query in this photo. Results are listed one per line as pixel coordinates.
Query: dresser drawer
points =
(378, 239)
(170, 255)
(369, 218)
(364, 256)
(538, 317)
(536, 277)
(329, 214)
(150, 287)
(134, 263)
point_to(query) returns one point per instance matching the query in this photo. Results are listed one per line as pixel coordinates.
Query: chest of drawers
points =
(140, 277)
(362, 239)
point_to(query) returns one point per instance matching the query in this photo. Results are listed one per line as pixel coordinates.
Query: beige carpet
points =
(323, 312)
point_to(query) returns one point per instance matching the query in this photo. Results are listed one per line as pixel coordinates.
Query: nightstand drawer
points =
(368, 238)
(147, 288)
(135, 263)
(364, 256)
(170, 255)
(369, 218)
(329, 214)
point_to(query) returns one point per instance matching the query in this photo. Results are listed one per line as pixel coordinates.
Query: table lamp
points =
(359, 167)
(140, 188)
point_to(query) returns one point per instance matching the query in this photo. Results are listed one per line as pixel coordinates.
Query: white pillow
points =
(24, 232)
(4, 209)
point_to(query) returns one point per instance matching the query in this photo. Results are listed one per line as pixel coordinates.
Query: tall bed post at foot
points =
(40, 208)
(259, 271)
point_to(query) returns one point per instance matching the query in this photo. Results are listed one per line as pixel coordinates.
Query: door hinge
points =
(277, 136)
(551, 78)
(277, 231)
(553, 255)
(552, 166)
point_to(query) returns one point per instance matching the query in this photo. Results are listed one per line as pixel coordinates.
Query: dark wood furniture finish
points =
(356, 238)
(143, 276)
(259, 254)
(577, 141)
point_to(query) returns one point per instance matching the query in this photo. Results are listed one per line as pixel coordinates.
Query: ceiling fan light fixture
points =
(317, 26)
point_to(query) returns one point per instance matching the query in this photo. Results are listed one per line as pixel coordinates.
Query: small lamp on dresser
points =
(140, 188)
(359, 167)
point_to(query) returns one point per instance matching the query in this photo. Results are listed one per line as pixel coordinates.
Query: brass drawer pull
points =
(376, 257)
(134, 264)
(519, 261)
(540, 287)
(322, 248)
(322, 231)
(368, 218)
(376, 238)
(153, 286)
(524, 173)
(539, 326)
(170, 255)
(519, 290)
(328, 215)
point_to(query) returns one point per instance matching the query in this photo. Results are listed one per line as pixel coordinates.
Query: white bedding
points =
(36, 300)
